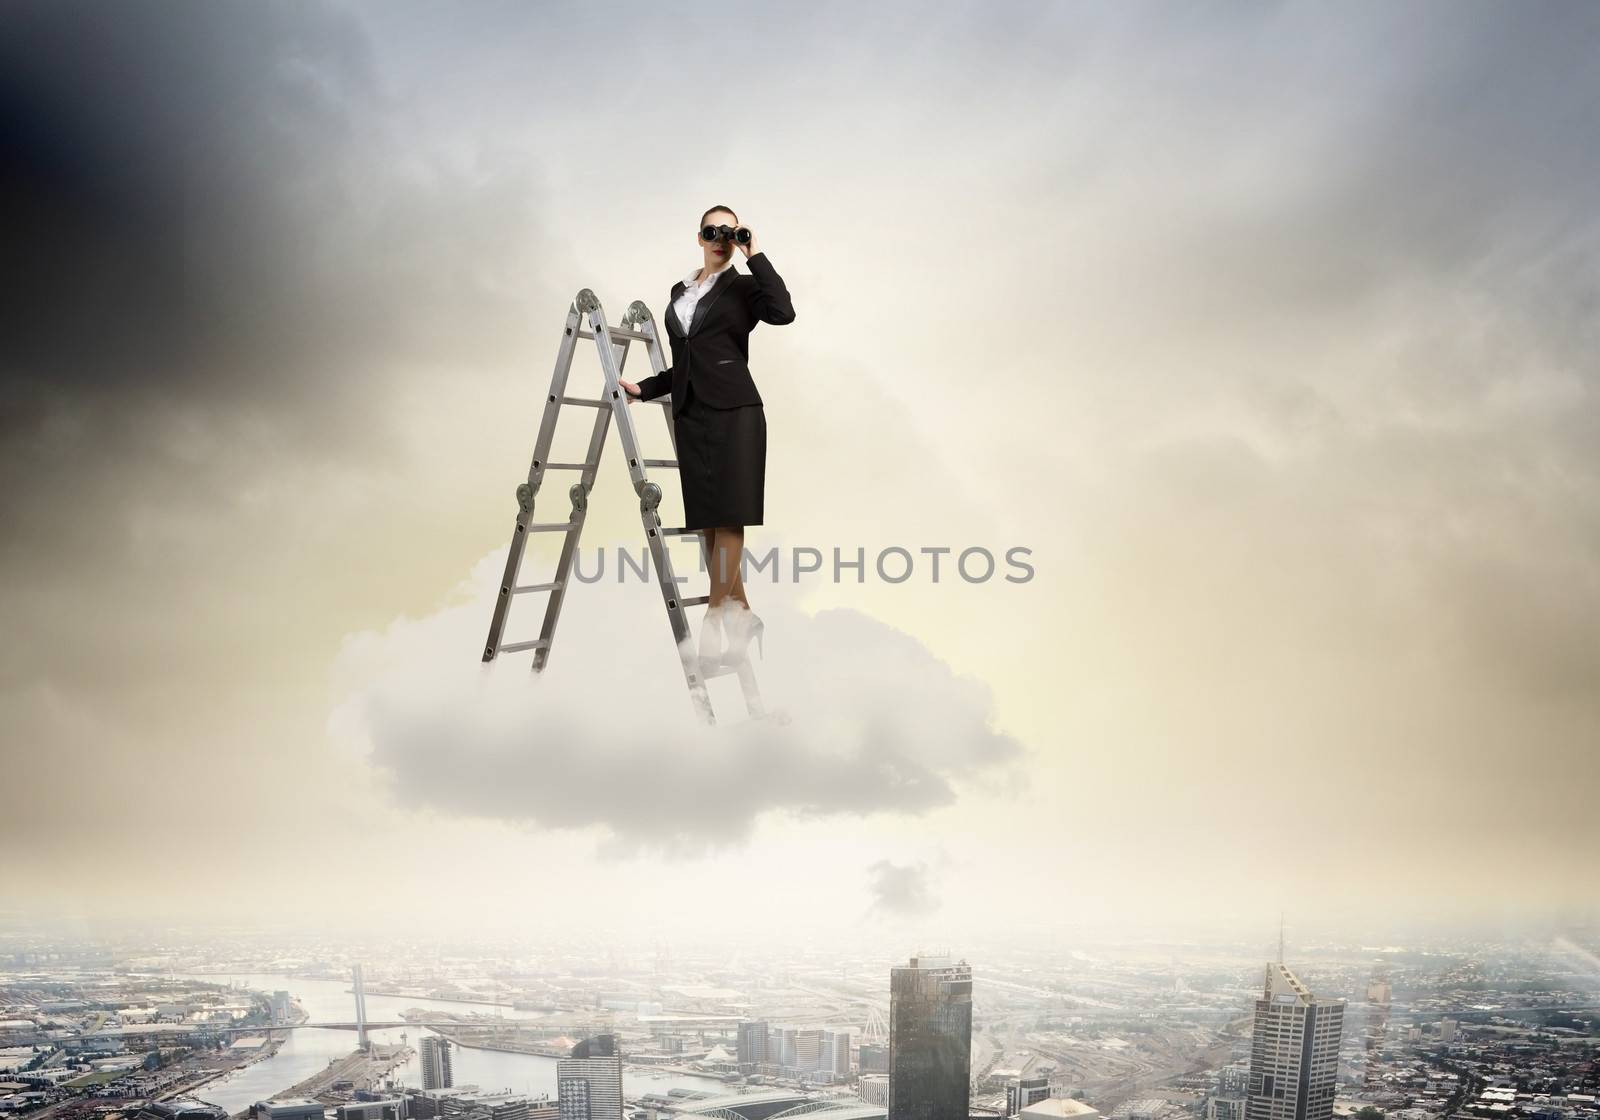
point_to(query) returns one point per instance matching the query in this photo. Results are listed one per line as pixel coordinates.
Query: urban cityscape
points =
(189, 1031)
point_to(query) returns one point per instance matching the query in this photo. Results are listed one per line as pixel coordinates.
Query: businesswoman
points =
(718, 419)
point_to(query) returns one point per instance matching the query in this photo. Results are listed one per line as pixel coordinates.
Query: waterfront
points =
(308, 1050)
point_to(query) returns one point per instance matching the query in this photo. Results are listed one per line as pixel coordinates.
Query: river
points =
(308, 1051)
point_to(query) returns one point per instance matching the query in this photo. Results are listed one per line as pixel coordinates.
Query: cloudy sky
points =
(1269, 330)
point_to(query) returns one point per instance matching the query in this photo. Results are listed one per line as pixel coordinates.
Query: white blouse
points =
(692, 291)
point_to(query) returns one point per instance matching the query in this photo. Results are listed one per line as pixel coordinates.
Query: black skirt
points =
(722, 461)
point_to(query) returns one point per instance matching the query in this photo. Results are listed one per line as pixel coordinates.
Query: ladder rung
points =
(560, 527)
(518, 647)
(695, 600)
(583, 401)
(531, 587)
(681, 532)
(617, 332)
(661, 463)
(566, 466)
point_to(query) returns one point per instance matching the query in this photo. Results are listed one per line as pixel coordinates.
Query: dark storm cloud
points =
(163, 163)
(903, 890)
(228, 253)
(217, 202)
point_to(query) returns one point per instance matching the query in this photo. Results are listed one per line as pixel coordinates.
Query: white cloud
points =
(607, 738)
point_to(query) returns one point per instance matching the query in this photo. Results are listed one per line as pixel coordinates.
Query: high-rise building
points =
(811, 1054)
(1233, 1080)
(1447, 1031)
(836, 1053)
(808, 1048)
(1023, 1091)
(282, 1007)
(930, 1040)
(874, 1058)
(436, 1070)
(1294, 1051)
(589, 1084)
(752, 1043)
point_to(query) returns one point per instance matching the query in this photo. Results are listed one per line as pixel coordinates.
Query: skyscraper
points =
(836, 1053)
(930, 1040)
(589, 1084)
(1294, 1051)
(436, 1071)
(752, 1044)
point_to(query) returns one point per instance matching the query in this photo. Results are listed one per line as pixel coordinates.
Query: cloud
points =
(902, 890)
(873, 721)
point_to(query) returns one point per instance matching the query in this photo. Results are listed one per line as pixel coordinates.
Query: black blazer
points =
(716, 351)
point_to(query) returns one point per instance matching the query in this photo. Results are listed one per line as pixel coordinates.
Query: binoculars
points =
(724, 233)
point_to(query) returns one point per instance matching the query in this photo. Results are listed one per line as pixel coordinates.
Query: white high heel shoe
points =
(711, 648)
(742, 625)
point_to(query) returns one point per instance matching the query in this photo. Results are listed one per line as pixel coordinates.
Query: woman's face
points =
(719, 252)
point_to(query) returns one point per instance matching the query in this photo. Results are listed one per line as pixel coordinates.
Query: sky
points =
(1268, 331)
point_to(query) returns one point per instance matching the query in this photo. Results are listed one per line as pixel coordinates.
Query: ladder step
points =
(567, 466)
(518, 647)
(695, 601)
(673, 463)
(532, 587)
(560, 527)
(584, 402)
(681, 532)
(617, 332)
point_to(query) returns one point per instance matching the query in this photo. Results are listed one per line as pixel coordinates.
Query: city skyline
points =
(1384, 1029)
(1297, 431)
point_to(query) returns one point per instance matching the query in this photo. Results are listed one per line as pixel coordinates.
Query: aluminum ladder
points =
(637, 326)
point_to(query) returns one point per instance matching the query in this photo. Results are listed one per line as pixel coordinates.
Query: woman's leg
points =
(727, 556)
(718, 588)
(711, 648)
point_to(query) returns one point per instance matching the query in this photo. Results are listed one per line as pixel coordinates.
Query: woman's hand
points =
(748, 247)
(630, 389)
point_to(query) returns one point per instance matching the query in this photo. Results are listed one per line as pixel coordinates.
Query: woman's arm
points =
(655, 385)
(769, 299)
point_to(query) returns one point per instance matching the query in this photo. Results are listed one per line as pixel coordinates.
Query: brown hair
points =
(713, 210)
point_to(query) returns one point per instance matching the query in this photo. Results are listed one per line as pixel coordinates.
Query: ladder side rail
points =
(527, 492)
(552, 407)
(579, 494)
(672, 598)
(614, 396)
